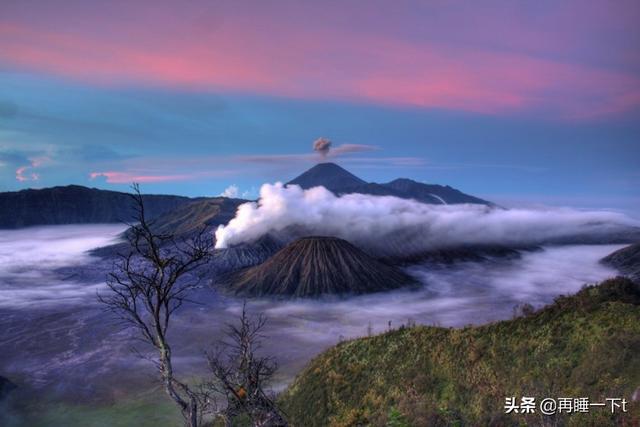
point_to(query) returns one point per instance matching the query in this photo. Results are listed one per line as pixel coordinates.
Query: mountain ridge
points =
(340, 181)
(76, 204)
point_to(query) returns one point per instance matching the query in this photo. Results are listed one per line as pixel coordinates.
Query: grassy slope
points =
(584, 345)
(152, 409)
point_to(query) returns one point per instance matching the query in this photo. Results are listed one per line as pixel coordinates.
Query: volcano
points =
(314, 266)
(340, 181)
(330, 176)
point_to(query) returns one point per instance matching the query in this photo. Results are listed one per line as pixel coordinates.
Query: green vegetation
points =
(586, 345)
(153, 410)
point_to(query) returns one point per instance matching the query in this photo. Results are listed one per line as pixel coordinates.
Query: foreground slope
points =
(583, 345)
(313, 266)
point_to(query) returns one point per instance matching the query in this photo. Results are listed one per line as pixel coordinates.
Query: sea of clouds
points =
(30, 256)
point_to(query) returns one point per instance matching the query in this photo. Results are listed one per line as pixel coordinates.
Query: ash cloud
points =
(325, 148)
(393, 226)
(322, 146)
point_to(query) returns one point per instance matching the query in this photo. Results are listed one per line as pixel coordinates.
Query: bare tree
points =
(241, 375)
(148, 285)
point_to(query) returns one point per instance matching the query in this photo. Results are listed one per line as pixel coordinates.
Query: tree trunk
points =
(193, 413)
(189, 409)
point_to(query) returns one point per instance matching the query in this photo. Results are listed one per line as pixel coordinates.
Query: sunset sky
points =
(520, 102)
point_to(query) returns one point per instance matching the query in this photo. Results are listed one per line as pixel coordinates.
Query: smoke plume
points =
(393, 226)
(322, 146)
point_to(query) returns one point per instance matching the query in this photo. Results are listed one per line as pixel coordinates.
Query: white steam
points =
(231, 192)
(389, 225)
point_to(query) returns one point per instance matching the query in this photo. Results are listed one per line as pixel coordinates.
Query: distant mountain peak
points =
(329, 166)
(329, 175)
(403, 180)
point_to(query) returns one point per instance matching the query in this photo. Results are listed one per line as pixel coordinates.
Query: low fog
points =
(466, 293)
(30, 256)
(64, 346)
(392, 226)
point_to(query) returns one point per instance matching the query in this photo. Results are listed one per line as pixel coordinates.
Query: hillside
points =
(432, 193)
(75, 204)
(244, 255)
(627, 260)
(185, 221)
(195, 215)
(314, 266)
(583, 345)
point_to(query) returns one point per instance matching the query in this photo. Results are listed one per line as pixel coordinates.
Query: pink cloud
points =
(113, 177)
(26, 173)
(164, 170)
(513, 64)
(20, 175)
